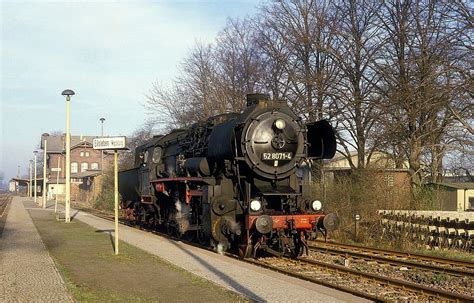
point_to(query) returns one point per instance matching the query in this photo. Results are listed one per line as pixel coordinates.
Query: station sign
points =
(114, 143)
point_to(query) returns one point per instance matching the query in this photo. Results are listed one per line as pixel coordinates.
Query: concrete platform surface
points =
(27, 272)
(256, 283)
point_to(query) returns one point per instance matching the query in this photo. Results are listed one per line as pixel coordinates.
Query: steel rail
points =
(395, 253)
(401, 284)
(4, 200)
(314, 280)
(407, 263)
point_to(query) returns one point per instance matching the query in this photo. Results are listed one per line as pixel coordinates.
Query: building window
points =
(74, 167)
(389, 179)
(87, 154)
(84, 166)
(471, 203)
(82, 154)
(76, 180)
(95, 165)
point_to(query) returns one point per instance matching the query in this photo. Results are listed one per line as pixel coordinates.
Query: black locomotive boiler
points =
(239, 181)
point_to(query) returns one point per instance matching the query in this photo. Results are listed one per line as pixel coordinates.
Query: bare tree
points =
(274, 61)
(417, 71)
(305, 28)
(139, 137)
(356, 103)
(238, 64)
(164, 106)
(193, 96)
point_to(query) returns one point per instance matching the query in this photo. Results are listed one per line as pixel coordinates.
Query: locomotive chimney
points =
(253, 99)
(44, 136)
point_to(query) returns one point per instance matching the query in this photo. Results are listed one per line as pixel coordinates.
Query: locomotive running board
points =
(279, 191)
(280, 194)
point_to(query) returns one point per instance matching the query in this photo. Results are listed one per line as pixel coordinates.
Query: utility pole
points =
(57, 187)
(36, 186)
(30, 192)
(102, 152)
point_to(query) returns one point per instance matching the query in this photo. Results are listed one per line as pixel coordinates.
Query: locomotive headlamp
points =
(280, 124)
(255, 205)
(316, 205)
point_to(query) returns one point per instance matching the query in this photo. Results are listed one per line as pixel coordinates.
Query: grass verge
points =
(85, 259)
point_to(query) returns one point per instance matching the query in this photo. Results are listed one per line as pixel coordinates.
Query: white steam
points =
(177, 205)
(220, 249)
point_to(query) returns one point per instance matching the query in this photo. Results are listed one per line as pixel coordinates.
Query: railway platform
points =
(27, 272)
(256, 283)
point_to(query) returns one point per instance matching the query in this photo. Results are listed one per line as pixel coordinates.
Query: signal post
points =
(115, 144)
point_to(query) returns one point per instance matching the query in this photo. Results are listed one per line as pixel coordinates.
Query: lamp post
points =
(30, 185)
(57, 187)
(35, 188)
(102, 126)
(102, 152)
(45, 162)
(68, 93)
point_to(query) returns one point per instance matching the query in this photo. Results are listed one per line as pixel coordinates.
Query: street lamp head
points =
(102, 120)
(68, 93)
(35, 152)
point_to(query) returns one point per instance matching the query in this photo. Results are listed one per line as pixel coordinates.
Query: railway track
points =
(4, 199)
(368, 285)
(450, 266)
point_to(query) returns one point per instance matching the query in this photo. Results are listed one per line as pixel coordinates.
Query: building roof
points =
(457, 185)
(339, 156)
(58, 181)
(88, 173)
(20, 180)
(354, 153)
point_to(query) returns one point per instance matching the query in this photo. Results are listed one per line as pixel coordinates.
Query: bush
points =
(105, 199)
(360, 192)
(426, 198)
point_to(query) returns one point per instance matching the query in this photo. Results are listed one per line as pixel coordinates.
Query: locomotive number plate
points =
(277, 156)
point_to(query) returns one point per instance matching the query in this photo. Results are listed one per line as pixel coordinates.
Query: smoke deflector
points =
(321, 139)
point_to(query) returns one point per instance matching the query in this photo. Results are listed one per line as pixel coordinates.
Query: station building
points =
(87, 165)
(380, 162)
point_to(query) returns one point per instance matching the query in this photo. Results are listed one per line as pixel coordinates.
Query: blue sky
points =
(108, 52)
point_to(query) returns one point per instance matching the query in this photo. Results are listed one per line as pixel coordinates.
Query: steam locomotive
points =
(238, 181)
